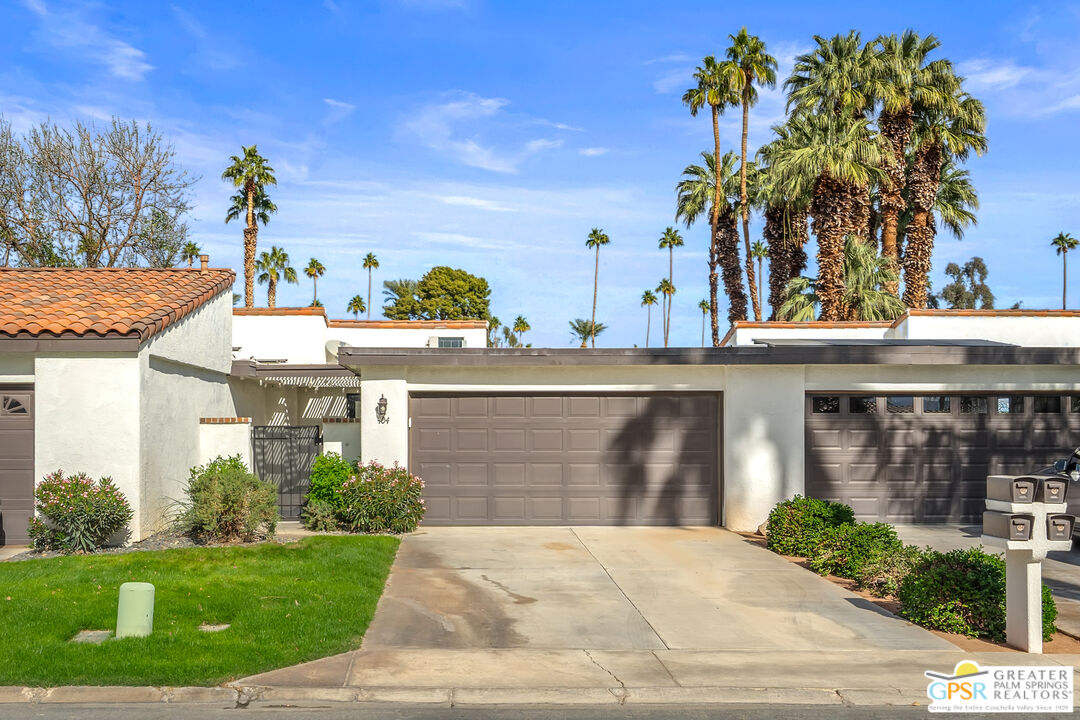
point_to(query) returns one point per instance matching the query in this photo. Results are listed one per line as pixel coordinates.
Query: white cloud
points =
(673, 80)
(439, 128)
(339, 110)
(672, 58)
(69, 30)
(462, 241)
(986, 74)
(594, 151)
(473, 202)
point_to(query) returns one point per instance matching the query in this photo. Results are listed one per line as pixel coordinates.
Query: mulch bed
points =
(165, 540)
(1059, 644)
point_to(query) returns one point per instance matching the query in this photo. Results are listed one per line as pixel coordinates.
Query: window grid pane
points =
(900, 404)
(825, 404)
(937, 404)
(862, 405)
(1011, 405)
(974, 405)
(1047, 404)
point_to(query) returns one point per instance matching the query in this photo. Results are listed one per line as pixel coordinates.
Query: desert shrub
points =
(328, 476)
(382, 499)
(882, 575)
(320, 516)
(81, 514)
(794, 525)
(844, 550)
(226, 503)
(963, 591)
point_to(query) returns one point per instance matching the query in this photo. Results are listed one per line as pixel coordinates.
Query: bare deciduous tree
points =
(84, 198)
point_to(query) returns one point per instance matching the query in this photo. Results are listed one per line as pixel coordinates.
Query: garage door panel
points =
(17, 414)
(584, 459)
(863, 439)
(431, 407)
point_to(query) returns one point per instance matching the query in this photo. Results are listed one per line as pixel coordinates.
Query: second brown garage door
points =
(567, 459)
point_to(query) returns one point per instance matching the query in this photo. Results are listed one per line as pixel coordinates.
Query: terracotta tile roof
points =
(426, 324)
(281, 311)
(102, 302)
(805, 325)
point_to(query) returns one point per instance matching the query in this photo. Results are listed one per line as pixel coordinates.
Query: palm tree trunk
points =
(702, 329)
(727, 253)
(251, 233)
(1064, 278)
(896, 127)
(714, 223)
(595, 285)
(919, 247)
(369, 293)
(314, 291)
(761, 280)
(648, 323)
(271, 293)
(671, 281)
(754, 301)
(829, 209)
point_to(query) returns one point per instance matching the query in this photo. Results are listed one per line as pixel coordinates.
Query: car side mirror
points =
(1060, 465)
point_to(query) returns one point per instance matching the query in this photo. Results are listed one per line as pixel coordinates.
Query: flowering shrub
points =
(382, 499)
(81, 514)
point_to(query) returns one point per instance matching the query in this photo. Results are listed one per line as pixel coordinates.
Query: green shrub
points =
(80, 514)
(328, 476)
(382, 499)
(794, 525)
(882, 575)
(963, 591)
(844, 550)
(226, 503)
(320, 516)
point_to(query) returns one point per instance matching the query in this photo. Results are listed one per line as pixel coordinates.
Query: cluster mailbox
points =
(1005, 488)
(1059, 527)
(1008, 525)
(1019, 523)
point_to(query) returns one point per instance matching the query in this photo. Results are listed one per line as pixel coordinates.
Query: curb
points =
(254, 696)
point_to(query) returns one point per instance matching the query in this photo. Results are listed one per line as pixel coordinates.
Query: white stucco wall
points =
(297, 339)
(749, 335)
(1025, 330)
(343, 439)
(404, 337)
(225, 440)
(387, 442)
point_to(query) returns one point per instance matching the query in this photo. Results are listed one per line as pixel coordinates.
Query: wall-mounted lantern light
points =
(380, 410)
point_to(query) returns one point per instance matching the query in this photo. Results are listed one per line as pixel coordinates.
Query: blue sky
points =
(493, 135)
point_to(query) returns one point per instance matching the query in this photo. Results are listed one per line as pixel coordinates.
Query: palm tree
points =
(838, 76)
(370, 263)
(648, 299)
(834, 157)
(785, 229)
(671, 239)
(595, 240)
(667, 289)
(864, 295)
(521, 325)
(951, 130)
(398, 289)
(1064, 242)
(274, 266)
(759, 251)
(695, 195)
(314, 270)
(190, 252)
(704, 307)
(748, 64)
(250, 173)
(904, 76)
(355, 306)
(586, 330)
(712, 90)
(511, 339)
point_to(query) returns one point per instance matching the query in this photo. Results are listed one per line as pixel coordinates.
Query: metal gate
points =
(284, 455)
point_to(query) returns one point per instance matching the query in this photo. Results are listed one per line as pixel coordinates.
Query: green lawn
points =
(286, 604)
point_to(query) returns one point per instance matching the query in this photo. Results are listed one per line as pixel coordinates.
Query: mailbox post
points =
(1025, 517)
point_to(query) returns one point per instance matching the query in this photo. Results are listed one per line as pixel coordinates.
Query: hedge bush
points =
(328, 477)
(882, 575)
(81, 514)
(845, 549)
(963, 591)
(320, 516)
(226, 503)
(382, 499)
(794, 526)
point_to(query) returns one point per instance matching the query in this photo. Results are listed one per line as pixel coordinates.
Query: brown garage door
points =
(16, 463)
(567, 459)
(901, 458)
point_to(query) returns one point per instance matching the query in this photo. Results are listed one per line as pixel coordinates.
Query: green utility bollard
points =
(135, 610)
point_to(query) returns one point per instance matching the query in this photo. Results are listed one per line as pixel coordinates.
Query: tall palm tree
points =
(250, 173)
(838, 76)
(785, 230)
(314, 270)
(704, 307)
(748, 64)
(190, 252)
(695, 194)
(521, 326)
(1064, 242)
(511, 338)
(864, 295)
(667, 290)
(395, 289)
(952, 130)
(370, 263)
(355, 306)
(712, 90)
(759, 251)
(671, 239)
(904, 76)
(648, 299)
(595, 240)
(274, 266)
(835, 157)
(586, 330)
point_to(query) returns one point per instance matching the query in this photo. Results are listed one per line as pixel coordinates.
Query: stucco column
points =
(763, 441)
(386, 441)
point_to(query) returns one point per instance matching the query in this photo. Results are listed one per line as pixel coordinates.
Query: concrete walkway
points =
(600, 615)
(1061, 570)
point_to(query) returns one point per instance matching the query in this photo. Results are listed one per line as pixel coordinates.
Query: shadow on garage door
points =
(546, 459)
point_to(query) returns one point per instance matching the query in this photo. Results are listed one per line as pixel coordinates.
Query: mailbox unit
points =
(1005, 488)
(1011, 526)
(1051, 490)
(1059, 527)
